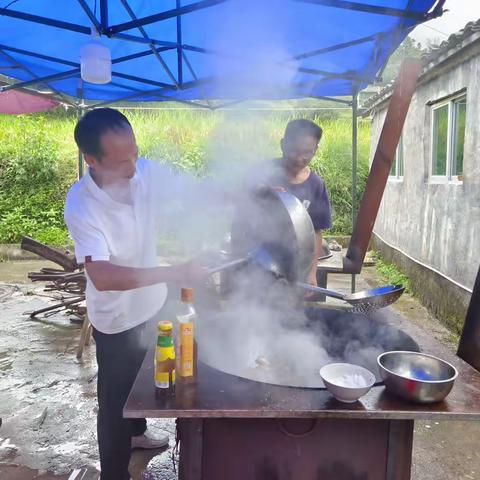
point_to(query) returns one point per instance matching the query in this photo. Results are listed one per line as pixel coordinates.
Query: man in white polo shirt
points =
(112, 214)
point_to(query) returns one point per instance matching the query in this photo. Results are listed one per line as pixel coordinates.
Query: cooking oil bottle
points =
(187, 345)
(165, 359)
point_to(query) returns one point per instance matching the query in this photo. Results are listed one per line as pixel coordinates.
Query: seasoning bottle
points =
(165, 359)
(187, 346)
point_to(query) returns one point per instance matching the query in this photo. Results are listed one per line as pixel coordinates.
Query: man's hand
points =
(190, 273)
(312, 276)
(312, 279)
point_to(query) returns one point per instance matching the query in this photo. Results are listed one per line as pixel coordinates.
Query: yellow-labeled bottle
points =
(165, 359)
(187, 346)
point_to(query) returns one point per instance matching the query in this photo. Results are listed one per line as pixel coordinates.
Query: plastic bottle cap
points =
(165, 325)
(187, 295)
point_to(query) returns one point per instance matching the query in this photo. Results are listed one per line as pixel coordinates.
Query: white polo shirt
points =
(126, 235)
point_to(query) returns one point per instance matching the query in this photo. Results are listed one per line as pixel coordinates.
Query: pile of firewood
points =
(69, 281)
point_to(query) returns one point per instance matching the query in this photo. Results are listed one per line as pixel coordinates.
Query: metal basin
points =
(417, 377)
(291, 352)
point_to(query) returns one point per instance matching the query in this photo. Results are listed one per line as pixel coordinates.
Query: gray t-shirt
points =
(312, 193)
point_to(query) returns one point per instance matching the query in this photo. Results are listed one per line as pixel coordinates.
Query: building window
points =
(440, 141)
(448, 138)
(459, 116)
(396, 172)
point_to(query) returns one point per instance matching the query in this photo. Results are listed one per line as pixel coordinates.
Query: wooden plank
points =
(84, 336)
(381, 165)
(65, 261)
(191, 448)
(400, 444)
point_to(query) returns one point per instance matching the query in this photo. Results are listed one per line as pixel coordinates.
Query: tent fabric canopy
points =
(15, 102)
(206, 49)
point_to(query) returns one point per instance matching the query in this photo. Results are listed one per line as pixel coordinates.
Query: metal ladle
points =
(260, 256)
(363, 301)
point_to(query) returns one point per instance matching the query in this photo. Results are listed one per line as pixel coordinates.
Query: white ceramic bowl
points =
(347, 382)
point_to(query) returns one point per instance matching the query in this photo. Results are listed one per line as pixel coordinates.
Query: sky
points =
(460, 13)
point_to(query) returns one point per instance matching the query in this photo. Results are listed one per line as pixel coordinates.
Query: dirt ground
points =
(48, 397)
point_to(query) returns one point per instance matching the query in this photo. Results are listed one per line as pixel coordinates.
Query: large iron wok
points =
(274, 232)
(341, 337)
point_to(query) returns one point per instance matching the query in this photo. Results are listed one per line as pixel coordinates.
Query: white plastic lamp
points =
(95, 61)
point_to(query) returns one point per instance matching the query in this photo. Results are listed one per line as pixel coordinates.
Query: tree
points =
(408, 48)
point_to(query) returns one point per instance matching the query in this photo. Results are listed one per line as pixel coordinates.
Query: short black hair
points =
(94, 124)
(302, 126)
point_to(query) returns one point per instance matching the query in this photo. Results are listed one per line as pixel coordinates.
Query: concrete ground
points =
(48, 404)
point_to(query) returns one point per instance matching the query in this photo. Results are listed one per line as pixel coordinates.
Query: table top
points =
(216, 394)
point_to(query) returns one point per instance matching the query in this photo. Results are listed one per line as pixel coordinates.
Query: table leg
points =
(84, 336)
(321, 282)
(190, 432)
(399, 456)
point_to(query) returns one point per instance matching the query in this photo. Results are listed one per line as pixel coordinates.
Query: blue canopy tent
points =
(210, 49)
(197, 51)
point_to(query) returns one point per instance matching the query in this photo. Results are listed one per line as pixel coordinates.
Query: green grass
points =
(390, 273)
(38, 158)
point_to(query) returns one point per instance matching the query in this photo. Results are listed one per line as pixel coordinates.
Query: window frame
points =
(448, 177)
(456, 100)
(397, 177)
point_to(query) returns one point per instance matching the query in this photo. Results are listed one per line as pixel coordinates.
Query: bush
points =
(38, 158)
(35, 172)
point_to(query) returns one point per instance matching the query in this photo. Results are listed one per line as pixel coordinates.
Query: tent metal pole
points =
(78, 28)
(363, 7)
(324, 73)
(146, 81)
(152, 47)
(145, 53)
(80, 111)
(91, 16)
(104, 14)
(49, 78)
(157, 92)
(354, 167)
(145, 41)
(48, 58)
(76, 64)
(81, 167)
(45, 21)
(158, 17)
(339, 46)
(179, 48)
(332, 99)
(63, 97)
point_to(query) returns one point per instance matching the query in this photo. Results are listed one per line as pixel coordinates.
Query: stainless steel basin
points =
(417, 377)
